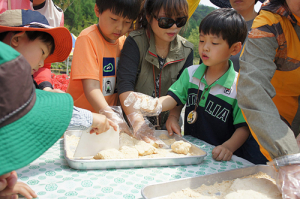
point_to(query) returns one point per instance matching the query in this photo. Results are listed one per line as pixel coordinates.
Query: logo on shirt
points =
(227, 91)
(108, 86)
(109, 67)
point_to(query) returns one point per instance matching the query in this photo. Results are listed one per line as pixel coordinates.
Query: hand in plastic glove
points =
(101, 124)
(142, 128)
(147, 105)
(10, 188)
(288, 175)
(115, 114)
(289, 181)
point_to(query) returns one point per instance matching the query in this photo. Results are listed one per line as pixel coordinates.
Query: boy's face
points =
(112, 26)
(35, 52)
(213, 50)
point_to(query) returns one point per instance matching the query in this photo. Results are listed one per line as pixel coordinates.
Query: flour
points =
(258, 186)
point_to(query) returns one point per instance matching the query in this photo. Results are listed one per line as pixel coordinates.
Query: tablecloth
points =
(51, 177)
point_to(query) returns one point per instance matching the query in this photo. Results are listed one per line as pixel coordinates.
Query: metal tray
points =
(166, 188)
(140, 162)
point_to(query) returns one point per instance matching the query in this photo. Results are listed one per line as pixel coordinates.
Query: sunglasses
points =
(165, 22)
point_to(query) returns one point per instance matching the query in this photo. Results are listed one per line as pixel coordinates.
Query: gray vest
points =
(180, 49)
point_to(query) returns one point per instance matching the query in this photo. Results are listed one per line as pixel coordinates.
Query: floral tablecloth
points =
(51, 177)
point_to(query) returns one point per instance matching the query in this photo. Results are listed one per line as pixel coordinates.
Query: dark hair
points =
(225, 22)
(171, 8)
(33, 35)
(275, 4)
(125, 8)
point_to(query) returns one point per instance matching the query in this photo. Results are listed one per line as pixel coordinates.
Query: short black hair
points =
(227, 23)
(33, 35)
(125, 8)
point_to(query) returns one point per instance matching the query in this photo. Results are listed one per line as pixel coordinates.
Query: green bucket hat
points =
(31, 120)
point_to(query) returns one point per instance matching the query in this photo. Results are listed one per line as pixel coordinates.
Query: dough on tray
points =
(109, 154)
(129, 152)
(181, 147)
(144, 148)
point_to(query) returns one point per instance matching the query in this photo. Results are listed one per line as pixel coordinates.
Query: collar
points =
(226, 80)
(176, 53)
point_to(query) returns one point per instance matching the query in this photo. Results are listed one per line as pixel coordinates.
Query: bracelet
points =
(174, 116)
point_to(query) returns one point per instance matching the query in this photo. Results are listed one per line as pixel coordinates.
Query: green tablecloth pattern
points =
(51, 177)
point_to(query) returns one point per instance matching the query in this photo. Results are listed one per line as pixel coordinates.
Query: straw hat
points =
(28, 20)
(31, 120)
(226, 3)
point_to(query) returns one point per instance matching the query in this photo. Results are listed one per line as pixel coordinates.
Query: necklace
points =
(193, 115)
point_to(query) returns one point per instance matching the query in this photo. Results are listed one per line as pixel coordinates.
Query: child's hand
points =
(172, 125)
(102, 124)
(9, 187)
(115, 114)
(19, 188)
(147, 105)
(221, 153)
(53, 90)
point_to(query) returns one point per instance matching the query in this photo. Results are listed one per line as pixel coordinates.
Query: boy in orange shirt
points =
(93, 75)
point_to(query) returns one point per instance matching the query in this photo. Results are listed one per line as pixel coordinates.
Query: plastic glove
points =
(116, 115)
(142, 128)
(288, 175)
(145, 104)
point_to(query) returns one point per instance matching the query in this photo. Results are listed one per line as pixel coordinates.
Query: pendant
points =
(192, 117)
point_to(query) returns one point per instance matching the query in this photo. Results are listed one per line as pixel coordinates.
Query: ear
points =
(236, 48)
(16, 39)
(96, 9)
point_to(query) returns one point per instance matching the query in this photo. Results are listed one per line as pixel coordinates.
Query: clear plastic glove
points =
(288, 175)
(145, 104)
(142, 128)
(116, 115)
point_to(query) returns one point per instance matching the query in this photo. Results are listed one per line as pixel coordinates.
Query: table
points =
(51, 177)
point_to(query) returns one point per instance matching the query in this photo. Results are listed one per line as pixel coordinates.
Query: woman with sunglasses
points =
(152, 59)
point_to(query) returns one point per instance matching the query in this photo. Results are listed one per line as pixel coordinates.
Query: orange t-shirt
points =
(94, 58)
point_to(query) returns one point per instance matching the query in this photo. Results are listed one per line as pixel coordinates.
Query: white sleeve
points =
(53, 14)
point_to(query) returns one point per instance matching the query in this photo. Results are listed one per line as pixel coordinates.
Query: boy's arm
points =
(167, 103)
(238, 138)
(94, 95)
(225, 151)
